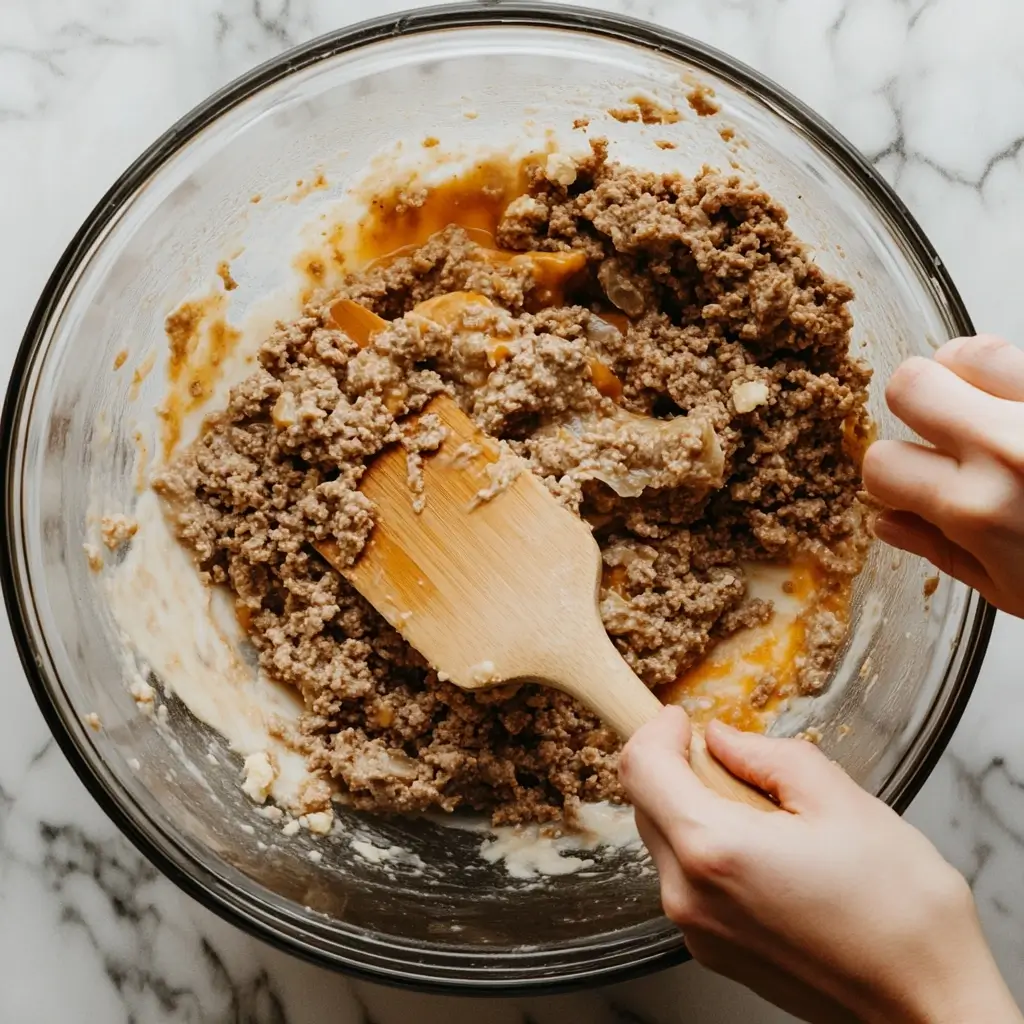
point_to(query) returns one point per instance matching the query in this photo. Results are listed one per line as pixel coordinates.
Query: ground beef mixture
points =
(678, 373)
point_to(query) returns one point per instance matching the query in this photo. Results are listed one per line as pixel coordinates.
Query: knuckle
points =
(969, 513)
(677, 906)
(633, 759)
(1009, 448)
(937, 501)
(959, 896)
(943, 897)
(953, 507)
(796, 757)
(804, 753)
(983, 503)
(953, 889)
(710, 860)
(1013, 456)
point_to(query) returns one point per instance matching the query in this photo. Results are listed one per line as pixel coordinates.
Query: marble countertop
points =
(931, 90)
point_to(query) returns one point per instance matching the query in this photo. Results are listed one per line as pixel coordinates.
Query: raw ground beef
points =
(689, 391)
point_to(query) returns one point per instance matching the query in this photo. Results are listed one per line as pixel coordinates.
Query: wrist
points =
(941, 970)
(992, 1004)
(971, 992)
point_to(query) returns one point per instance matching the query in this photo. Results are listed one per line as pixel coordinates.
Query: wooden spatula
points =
(494, 581)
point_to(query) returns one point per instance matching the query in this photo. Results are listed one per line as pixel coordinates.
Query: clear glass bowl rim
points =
(607, 958)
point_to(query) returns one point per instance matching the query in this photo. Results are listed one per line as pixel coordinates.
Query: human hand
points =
(960, 504)
(835, 910)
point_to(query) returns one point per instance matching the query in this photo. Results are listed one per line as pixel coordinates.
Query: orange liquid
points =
(475, 200)
(721, 684)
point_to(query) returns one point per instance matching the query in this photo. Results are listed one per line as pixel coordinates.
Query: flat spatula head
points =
(491, 579)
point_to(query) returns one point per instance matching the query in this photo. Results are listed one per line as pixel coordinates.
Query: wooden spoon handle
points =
(715, 776)
(606, 684)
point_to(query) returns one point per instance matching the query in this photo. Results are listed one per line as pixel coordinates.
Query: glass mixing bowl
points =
(478, 78)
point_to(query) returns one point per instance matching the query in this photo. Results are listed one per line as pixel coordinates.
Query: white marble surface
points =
(931, 90)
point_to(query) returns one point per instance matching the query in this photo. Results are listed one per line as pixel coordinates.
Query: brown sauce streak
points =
(139, 375)
(652, 112)
(141, 471)
(702, 100)
(324, 264)
(334, 243)
(182, 330)
(645, 110)
(199, 339)
(311, 265)
(224, 273)
(304, 188)
(406, 215)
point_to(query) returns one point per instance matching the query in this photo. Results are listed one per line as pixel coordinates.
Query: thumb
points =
(795, 772)
(655, 771)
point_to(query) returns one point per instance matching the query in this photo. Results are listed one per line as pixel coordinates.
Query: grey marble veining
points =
(931, 90)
